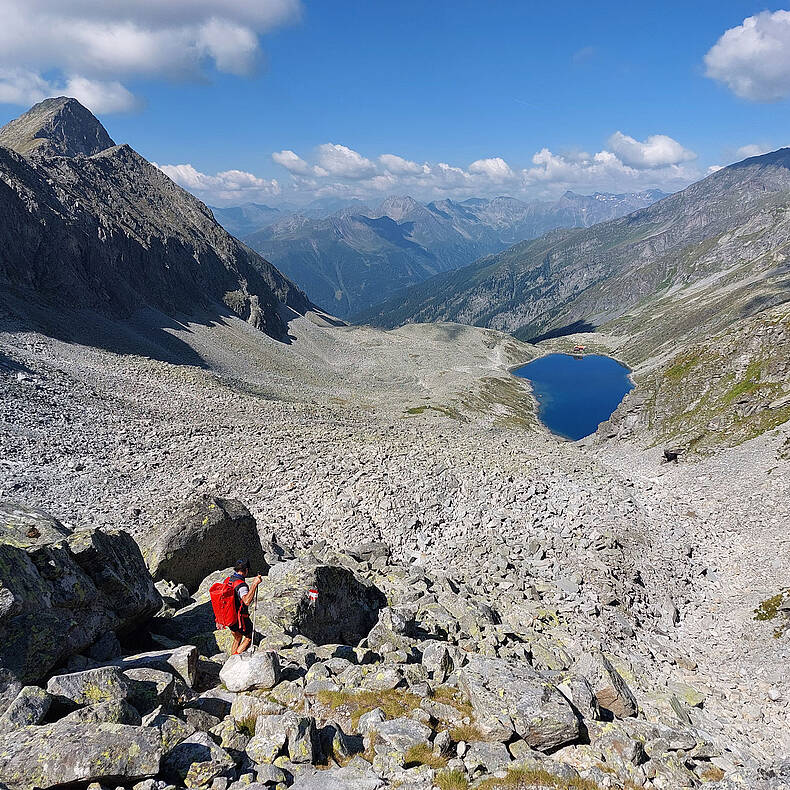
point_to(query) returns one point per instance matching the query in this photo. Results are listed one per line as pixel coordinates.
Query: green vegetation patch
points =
(422, 754)
(682, 366)
(528, 778)
(451, 780)
(769, 610)
(354, 704)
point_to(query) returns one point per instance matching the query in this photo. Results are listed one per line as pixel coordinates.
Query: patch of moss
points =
(769, 610)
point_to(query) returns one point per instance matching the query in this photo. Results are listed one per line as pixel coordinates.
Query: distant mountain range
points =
(730, 229)
(352, 258)
(93, 233)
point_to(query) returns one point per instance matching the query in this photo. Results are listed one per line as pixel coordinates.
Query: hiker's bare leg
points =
(236, 639)
(244, 644)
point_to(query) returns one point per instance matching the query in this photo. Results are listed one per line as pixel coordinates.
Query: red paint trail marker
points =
(313, 594)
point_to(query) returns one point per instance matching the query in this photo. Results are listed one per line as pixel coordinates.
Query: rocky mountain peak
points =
(56, 127)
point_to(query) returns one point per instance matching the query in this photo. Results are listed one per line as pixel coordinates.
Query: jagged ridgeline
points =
(712, 253)
(91, 226)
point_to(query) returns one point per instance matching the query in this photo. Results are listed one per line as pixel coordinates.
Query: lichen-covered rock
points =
(180, 661)
(260, 670)
(271, 733)
(197, 748)
(9, 688)
(65, 752)
(90, 687)
(348, 778)
(346, 609)
(403, 734)
(149, 688)
(510, 697)
(304, 745)
(61, 591)
(172, 730)
(207, 533)
(29, 707)
(610, 689)
(116, 711)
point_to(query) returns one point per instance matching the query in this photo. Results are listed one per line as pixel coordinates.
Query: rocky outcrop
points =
(344, 612)
(206, 534)
(58, 596)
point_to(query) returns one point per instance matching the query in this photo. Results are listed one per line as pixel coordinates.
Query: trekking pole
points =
(254, 620)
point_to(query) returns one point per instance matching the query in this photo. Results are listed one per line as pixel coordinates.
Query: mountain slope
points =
(724, 237)
(241, 221)
(112, 234)
(357, 257)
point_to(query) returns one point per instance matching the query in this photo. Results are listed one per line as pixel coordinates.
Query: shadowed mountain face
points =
(91, 226)
(358, 256)
(710, 253)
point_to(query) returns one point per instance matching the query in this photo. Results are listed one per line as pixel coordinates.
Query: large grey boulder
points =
(29, 707)
(65, 752)
(194, 759)
(247, 671)
(90, 687)
(182, 662)
(346, 609)
(115, 711)
(348, 778)
(510, 697)
(207, 533)
(9, 688)
(611, 691)
(62, 590)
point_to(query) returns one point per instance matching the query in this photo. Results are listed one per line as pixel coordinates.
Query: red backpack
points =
(224, 602)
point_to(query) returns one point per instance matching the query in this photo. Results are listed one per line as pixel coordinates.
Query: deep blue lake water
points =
(576, 394)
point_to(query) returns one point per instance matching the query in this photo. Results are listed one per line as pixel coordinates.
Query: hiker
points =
(244, 593)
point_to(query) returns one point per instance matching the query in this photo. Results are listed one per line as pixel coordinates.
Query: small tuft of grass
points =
(422, 754)
(354, 704)
(469, 733)
(451, 780)
(528, 778)
(453, 697)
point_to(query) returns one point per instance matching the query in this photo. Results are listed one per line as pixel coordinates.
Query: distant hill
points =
(358, 256)
(242, 220)
(91, 228)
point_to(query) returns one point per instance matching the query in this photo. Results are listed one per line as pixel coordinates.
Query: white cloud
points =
(753, 59)
(658, 150)
(399, 166)
(96, 45)
(227, 187)
(292, 162)
(752, 149)
(338, 160)
(497, 169)
(337, 170)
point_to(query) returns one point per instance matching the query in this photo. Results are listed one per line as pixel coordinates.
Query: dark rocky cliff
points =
(104, 230)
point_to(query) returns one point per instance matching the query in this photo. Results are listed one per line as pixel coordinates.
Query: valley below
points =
(421, 438)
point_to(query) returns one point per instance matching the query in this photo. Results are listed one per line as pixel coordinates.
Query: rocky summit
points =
(451, 597)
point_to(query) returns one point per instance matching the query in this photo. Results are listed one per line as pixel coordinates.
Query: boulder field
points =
(395, 676)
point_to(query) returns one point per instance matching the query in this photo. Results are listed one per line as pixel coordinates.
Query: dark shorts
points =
(244, 626)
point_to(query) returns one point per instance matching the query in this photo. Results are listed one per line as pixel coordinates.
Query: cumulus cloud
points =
(753, 59)
(398, 166)
(229, 186)
(658, 150)
(338, 160)
(496, 168)
(337, 170)
(52, 46)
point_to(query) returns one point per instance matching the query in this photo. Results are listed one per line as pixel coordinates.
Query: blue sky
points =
(462, 96)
